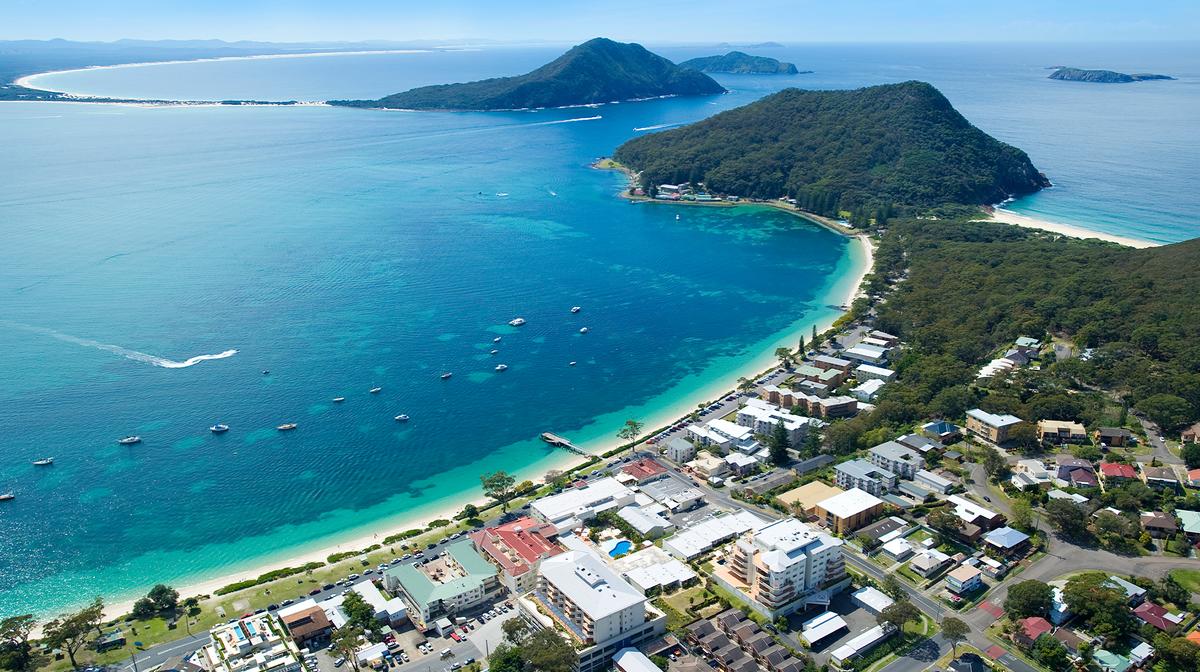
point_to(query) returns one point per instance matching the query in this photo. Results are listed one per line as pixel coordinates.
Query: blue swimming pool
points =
(621, 548)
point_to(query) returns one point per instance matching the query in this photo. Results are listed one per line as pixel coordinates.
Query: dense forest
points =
(597, 71)
(958, 291)
(870, 151)
(741, 63)
(1102, 76)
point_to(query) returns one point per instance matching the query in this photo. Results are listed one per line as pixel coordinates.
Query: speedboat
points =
(516, 322)
(575, 309)
(338, 400)
(571, 364)
(403, 417)
(496, 339)
(493, 352)
(44, 462)
(129, 440)
(286, 426)
(502, 367)
(7, 496)
(219, 429)
(583, 330)
(446, 375)
(376, 390)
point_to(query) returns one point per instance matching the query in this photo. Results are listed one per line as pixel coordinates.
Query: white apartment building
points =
(568, 509)
(254, 644)
(784, 567)
(761, 417)
(897, 458)
(865, 476)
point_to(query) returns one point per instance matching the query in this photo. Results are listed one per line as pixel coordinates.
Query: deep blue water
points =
(342, 249)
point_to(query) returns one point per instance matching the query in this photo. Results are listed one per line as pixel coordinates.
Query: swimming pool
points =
(620, 548)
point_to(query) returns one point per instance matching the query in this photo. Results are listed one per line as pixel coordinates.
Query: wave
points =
(118, 350)
(658, 126)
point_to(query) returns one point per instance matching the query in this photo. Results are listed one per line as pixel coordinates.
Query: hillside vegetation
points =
(869, 151)
(597, 71)
(1102, 76)
(740, 63)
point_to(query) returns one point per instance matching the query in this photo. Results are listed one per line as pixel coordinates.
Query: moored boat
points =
(502, 367)
(403, 417)
(219, 428)
(516, 322)
(338, 400)
(496, 339)
(583, 330)
(575, 309)
(446, 375)
(7, 496)
(376, 390)
(44, 462)
(287, 426)
(129, 440)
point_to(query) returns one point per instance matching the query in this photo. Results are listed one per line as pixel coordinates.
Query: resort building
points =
(865, 476)
(680, 450)
(568, 509)
(455, 581)
(592, 606)
(783, 567)
(846, 512)
(252, 644)
(896, 458)
(990, 426)
(1058, 432)
(517, 548)
(706, 535)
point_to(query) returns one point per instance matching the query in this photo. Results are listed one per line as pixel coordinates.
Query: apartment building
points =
(785, 566)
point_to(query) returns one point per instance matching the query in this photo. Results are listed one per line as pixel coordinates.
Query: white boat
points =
(287, 426)
(338, 400)
(575, 309)
(129, 440)
(44, 462)
(516, 322)
(446, 375)
(376, 390)
(219, 428)
(583, 330)
(677, 218)
(496, 339)
(403, 417)
(571, 364)
(7, 496)
(502, 367)
(493, 352)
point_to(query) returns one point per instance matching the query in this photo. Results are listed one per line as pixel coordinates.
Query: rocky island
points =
(886, 148)
(1102, 76)
(597, 71)
(740, 63)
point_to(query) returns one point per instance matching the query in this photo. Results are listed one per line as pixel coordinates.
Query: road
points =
(1154, 435)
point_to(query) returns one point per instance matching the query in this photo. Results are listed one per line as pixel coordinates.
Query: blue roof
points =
(1006, 537)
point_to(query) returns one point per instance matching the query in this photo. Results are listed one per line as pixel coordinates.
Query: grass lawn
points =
(683, 600)
(918, 536)
(1188, 578)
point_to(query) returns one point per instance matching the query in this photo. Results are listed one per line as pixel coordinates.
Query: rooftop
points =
(863, 469)
(590, 584)
(574, 500)
(809, 494)
(850, 503)
(518, 545)
(1006, 537)
(444, 580)
(993, 420)
(644, 469)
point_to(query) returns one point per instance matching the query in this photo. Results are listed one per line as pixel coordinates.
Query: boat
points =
(338, 400)
(583, 330)
(677, 218)
(502, 367)
(496, 339)
(493, 352)
(516, 322)
(446, 375)
(44, 462)
(266, 372)
(575, 309)
(376, 390)
(129, 440)
(219, 428)
(571, 364)
(403, 417)
(287, 426)
(7, 496)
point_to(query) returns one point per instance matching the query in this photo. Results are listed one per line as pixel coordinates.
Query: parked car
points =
(328, 586)
(339, 662)
(352, 577)
(315, 591)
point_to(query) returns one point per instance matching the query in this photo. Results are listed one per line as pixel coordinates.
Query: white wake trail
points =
(118, 350)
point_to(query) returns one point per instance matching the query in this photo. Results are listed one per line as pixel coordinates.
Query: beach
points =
(1008, 217)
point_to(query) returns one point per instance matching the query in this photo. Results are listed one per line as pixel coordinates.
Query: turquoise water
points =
(621, 548)
(344, 249)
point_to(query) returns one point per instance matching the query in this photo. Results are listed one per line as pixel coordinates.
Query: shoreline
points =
(846, 287)
(1002, 216)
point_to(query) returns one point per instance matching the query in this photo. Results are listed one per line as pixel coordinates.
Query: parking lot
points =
(857, 619)
(479, 641)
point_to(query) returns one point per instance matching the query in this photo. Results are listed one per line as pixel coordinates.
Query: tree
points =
(892, 587)
(499, 486)
(1169, 590)
(1022, 515)
(358, 612)
(143, 609)
(1024, 437)
(1102, 607)
(514, 630)
(346, 640)
(784, 356)
(1166, 410)
(779, 444)
(745, 384)
(506, 658)
(1190, 452)
(164, 597)
(954, 630)
(800, 346)
(897, 614)
(944, 521)
(1028, 598)
(631, 431)
(71, 631)
(994, 465)
(813, 341)
(1048, 652)
(812, 443)
(16, 654)
(470, 511)
(1067, 517)
(546, 651)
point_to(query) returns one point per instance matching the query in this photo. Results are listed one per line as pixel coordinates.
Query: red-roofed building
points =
(1159, 617)
(517, 548)
(643, 470)
(1031, 628)
(1194, 478)
(1117, 471)
(1194, 637)
(1083, 478)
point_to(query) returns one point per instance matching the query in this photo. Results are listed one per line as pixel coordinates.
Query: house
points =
(1159, 524)
(706, 465)
(1058, 432)
(968, 662)
(1141, 653)
(953, 456)
(517, 548)
(1059, 611)
(644, 470)
(1160, 477)
(1082, 478)
(1134, 593)
(897, 549)
(1066, 463)
(1029, 629)
(1114, 437)
(885, 530)
(867, 391)
(1074, 497)
(1030, 473)
(1027, 344)
(568, 509)
(990, 426)
(971, 513)
(741, 465)
(1193, 478)
(928, 562)
(896, 458)
(865, 476)
(946, 432)
(1190, 522)
(1191, 434)
(865, 372)
(680, 450)
(846, 512)
(964, 579)
(1007, 542)
(1069, 640)
(934, 482)
(1108, 661)
(1158, 616)
(1117, 471)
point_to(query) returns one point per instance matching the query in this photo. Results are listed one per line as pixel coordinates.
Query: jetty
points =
(559, 442)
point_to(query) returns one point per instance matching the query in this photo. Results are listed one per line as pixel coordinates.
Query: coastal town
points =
(735, 539)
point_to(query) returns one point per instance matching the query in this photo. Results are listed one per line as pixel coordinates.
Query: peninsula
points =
(1102, 76)
(741, 63)
(597, 71)
(869, 152)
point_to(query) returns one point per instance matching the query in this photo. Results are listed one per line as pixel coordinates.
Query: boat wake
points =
(118, 350)
(564, 121)
(658, 126)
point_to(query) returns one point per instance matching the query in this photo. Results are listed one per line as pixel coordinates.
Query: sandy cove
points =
(1008, 217)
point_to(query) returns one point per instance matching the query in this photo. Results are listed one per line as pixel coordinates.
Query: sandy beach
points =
(847, 288)
(1008, 217)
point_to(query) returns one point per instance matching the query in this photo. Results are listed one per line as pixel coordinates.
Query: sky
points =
(656, 21)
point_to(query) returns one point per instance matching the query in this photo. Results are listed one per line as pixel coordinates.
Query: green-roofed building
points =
(455, 581)
(1111, 662)
(1190, 522)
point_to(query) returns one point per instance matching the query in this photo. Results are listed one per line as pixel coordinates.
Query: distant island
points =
(740, 63)
(882, 149)
(597, 71)
(1102, 76)
(753, 45)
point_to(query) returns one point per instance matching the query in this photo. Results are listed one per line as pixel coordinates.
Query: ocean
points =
(340, 249)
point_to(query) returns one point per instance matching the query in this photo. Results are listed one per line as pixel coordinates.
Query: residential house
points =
(1114, 437)
(1193, 478)
(1159, 524)
(898, 549)
(1140, 653)
(865, 476)
(1082, 478)
(643, 470)
(1058, 432)
(1059, 611)
(990, 426)
(1189, 521)
(920, 443)
(706, 465)
(946, 432)
(1108, 661)
(1007, 542)
(846, 512)
(1162, 478)
(310, 625)
(1028, 473)
(896, 458)
(1191, 434)
(974, 514)
(517, 548)
(1073, 497)
(964, 579)
(741, 465)
(928, 562)
(1027, 344)
(885, 530)
(1030, 629)
(1157, 616)
(1134, 593)
(1066, 463)
(1069, 640)
(1115, 472)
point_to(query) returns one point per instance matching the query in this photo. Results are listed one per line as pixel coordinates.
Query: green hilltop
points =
(740, 63)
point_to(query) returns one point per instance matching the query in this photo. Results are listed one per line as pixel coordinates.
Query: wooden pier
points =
(559, 442)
